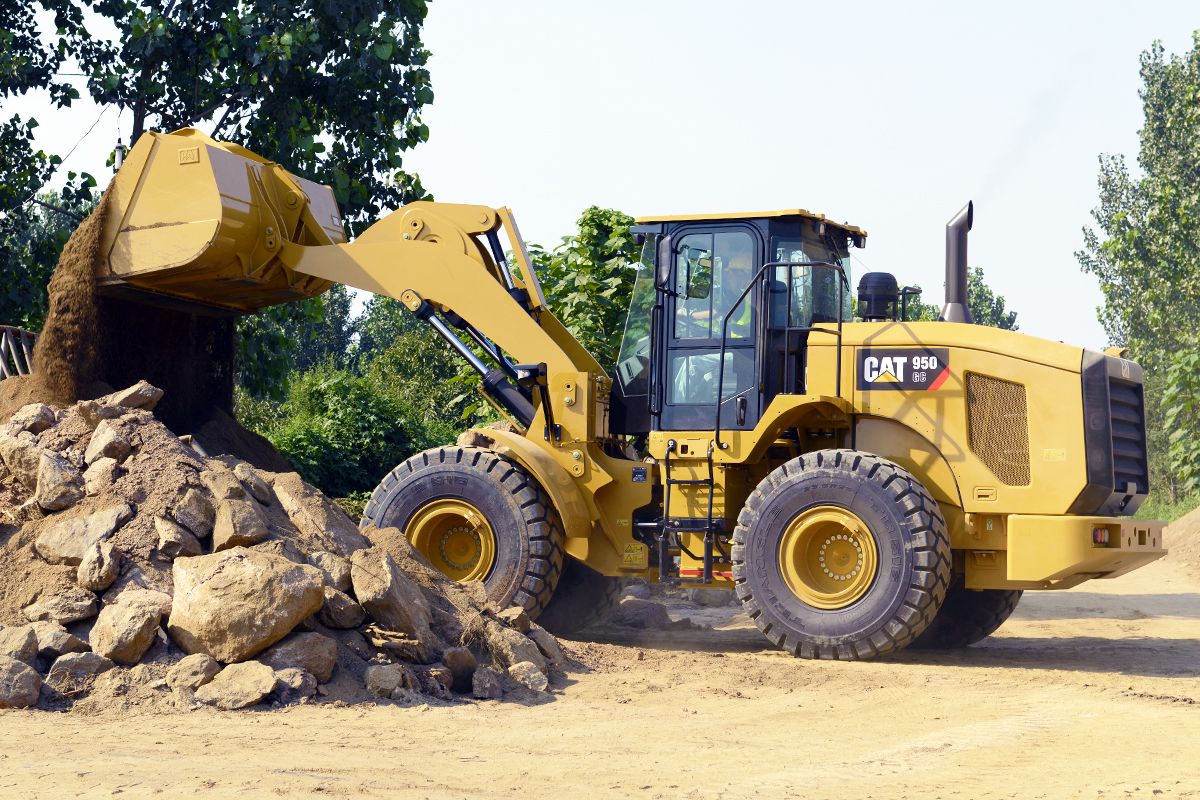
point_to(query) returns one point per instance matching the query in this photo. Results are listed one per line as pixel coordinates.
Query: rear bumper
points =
(1052, 552)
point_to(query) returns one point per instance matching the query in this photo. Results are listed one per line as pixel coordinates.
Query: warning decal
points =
(903, 368)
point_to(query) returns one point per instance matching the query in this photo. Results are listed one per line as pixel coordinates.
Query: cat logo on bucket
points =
(908, 368)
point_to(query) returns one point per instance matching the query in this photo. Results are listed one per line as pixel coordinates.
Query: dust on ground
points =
(1092, 692)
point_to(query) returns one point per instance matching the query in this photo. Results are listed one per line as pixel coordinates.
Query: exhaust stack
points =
(957, 228)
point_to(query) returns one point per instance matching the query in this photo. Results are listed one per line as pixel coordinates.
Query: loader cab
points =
(724, 305)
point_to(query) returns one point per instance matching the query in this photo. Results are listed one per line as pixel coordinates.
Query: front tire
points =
(968, 616)
(841, 554)
(476, 515)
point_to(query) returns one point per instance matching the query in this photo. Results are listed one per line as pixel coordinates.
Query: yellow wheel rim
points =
(456, 538)
(828, 557)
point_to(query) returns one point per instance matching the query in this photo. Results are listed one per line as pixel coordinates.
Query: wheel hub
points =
(455, 537)
(828, 557)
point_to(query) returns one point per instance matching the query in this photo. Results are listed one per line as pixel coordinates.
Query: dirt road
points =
(1087, 693)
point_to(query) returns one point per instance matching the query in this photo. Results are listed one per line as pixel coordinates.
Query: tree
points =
(1145, 250)
(588, 281)
(987, 307)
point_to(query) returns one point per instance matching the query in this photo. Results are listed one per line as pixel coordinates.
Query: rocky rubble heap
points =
(136, 569)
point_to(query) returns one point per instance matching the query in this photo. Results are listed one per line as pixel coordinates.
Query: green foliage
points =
(1181, 417)
(1145, 250)
(266, 347)
(1161, 505)
(987, 307)
(342, 432)
(588, 281)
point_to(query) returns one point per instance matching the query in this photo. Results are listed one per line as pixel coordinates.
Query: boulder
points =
(509, 646)
(70, 605)
(234, 604)
(222, 483)
(383, 680)
(633, 612)
(106, 442)
(340, 611)
(94, 412)
(323, 524)
(711, 598)
(102, 474)
(311, 652)
(20, 643)
(59, 484)
(22, 456)
(388, 595)
(435, 681)
(336, 569)
(239, 524)
(99, 567)
(125, 630)
(174, 540)
(638, 589)
(485, 684)
(73, 673)
(293, 684)
(515, 618)
(462, 664)
(238, 686)
(253, 483)
(54, 640)
(528, 675)
(549, 646)
(20, 685)
(140, 395)
(282, 548)
(192, 672)
(65, 542)
(34, 418)
(195, 512)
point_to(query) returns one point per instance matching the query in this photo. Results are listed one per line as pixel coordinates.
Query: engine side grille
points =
(998, 427)
(1128, 436)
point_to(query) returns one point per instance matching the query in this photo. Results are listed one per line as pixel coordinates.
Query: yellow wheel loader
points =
(861, 482)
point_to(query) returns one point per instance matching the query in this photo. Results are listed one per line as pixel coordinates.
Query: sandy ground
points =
(1086, 693)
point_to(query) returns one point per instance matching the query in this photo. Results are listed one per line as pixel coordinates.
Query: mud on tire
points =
(905, 525)
(527, 530)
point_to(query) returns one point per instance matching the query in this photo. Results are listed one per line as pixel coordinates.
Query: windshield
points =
(815, 292)
(634, 359)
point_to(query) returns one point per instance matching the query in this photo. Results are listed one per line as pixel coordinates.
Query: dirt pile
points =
(1182, 540)
(138, 571)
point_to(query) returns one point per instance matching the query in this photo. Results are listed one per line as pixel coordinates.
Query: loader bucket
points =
(199, 224)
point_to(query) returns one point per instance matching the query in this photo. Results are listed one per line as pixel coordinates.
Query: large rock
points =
(311, 652)
(234, 604)
(59, 484)
(125, 630)
(388, 595)
(74, 673)
(100, 566)
(192, 672)
(336, 569)
(20, 643)
(633, 612)
(70, 605)
(20, 686)
(485, 684)
(515, 618)
(711, 598)
(106, 442)
(528, 675)
(54, 640)
(293, 684)
(340, 611)
(238, 686)
(101, 475)
(253, 483)
(174, 540)
(22, 455)
(509, 646)
(34, 418)
(547, 644)
(195, 512)
(323, 524)
(140, 395)
(239, 524)
(65, 542)
(222, 483)
(382, 680)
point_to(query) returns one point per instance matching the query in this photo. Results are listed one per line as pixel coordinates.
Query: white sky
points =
(887, 115)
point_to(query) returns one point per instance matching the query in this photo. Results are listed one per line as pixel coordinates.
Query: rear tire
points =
(841, 554)
(476, 515)
(583, 597)
(968, 616)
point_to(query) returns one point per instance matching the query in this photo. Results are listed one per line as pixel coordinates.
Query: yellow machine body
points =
(196, 221)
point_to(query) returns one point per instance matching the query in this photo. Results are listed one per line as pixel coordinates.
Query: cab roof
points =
(787, 212)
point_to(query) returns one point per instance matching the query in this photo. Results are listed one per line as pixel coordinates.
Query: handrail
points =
(844, 284)
(16, 351)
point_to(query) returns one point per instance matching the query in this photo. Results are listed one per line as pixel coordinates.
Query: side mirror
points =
(662, 264)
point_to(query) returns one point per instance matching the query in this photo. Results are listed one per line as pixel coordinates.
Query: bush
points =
(341, 432)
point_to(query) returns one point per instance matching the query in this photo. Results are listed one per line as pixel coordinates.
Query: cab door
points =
(713, 265)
